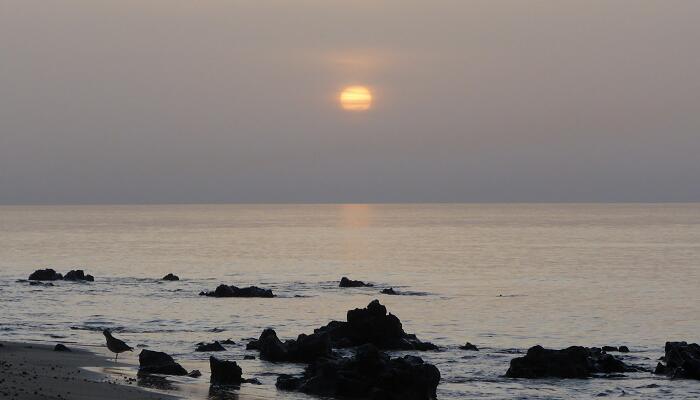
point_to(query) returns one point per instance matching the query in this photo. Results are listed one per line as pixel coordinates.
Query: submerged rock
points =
(195, 373)
(225, 372)
(469, 347)
(233, 291)
(682, 360)
(369, 374)
(621, 349)
(215, 346)
(156, 362)
(372, 325)
(345, 282)
(170, 277)
(78, 275)
(390, 291)
(36, 283)
(61, 347)
(47, 274)
(572, 362)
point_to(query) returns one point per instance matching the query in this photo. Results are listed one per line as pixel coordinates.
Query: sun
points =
(356, 98)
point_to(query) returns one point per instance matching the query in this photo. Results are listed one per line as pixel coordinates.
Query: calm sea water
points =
(504, 277)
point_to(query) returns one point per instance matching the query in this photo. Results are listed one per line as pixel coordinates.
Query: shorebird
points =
(115, 345)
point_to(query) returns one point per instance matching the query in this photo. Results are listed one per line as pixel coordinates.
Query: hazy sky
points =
(121, 101)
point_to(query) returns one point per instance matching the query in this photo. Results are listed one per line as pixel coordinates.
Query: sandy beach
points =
(33, 371)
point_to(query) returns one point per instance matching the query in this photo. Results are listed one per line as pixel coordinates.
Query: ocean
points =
(502, 276)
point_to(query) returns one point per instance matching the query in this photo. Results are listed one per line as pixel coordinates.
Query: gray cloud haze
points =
(121, 101)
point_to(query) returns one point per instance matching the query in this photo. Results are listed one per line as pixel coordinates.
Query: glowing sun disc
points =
(356, 98)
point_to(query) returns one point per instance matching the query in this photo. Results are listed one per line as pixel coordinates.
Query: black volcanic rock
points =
(682, 360)
(156, 362)
(369, 374)
(345, 282)
(47, 274)
(372, 325)
(304, 349)
(233, 291)
(572, 362)
(225, 372)
(78, 275)
(469, 347)
(170, 277)
(214, 346)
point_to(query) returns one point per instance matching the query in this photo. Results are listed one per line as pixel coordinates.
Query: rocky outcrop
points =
(233, 291)
(304, 349)
(572, 362)
(369, 374)
(47, 274)
(170, 277)
(156, 362)
(345, 282)
(225, 372)
(215, 346)
(682, 360)
(78, 275)
(469, 347)
(372, 325)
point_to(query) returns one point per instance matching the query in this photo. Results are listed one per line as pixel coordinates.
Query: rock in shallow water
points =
(171, 277)
(682, 361)
(469, 347)
(233, 291)
(156, 362)
(195, 373)
(304, 349)
(47, 274)
(78, 275)
(572, 362)
(345, 282)
(225, 372)
(369, 374)
(61, 347)
(372, 325)
(215, 346)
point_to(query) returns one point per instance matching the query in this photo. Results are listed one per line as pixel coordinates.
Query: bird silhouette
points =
(115, 345)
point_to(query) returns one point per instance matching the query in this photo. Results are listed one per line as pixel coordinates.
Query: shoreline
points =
(31, 371)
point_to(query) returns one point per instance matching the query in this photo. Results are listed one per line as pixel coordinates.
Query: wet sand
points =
(32, 371)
